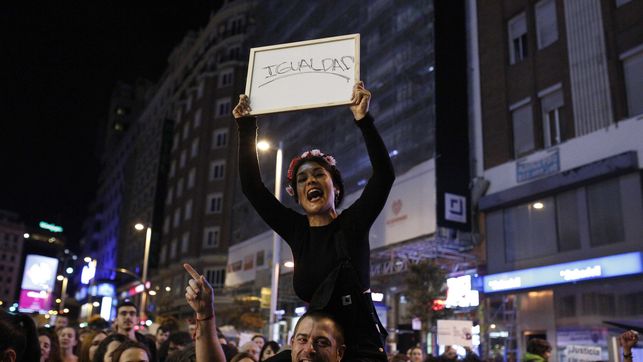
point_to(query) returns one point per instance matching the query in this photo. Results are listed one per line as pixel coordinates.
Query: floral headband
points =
(308, 154)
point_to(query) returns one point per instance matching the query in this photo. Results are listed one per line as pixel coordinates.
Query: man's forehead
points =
(127, 309)
(310, 327)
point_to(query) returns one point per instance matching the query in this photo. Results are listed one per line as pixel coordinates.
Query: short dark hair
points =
(317, 316)
(18, 332)
(163, 328)
(126, 303)
(338, 182)
(181, 338)
(99, 355)
(116, 355)
(538, 346)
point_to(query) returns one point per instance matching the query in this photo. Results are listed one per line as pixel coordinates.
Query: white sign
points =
(460, 294)
(455, 208)
(583, 353)
(307, 74)
(455, 332)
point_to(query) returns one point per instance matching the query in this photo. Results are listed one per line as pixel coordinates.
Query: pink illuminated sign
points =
(38, 281)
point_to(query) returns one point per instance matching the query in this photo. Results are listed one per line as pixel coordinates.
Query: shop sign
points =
(597, 268)
(583, 353)
(545, 165)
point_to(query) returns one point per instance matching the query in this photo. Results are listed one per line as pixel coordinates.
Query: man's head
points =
(61, 322)
(162, 334)
(126, 317)
(317, 338)
(450, 353)
(540, 347)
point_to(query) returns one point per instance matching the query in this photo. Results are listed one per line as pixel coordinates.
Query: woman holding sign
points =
(331, 250)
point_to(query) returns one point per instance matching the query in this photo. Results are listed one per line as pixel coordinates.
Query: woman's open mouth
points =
(314, 194)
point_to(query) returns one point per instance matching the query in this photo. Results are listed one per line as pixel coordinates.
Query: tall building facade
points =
(557, 122)
(205, 74)
(11, 243)
(398, 65)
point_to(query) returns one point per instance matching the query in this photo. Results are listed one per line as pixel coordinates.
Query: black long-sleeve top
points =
(313, 248)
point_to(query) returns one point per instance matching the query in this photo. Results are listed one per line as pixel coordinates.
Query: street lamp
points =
(146, 256)
(276, 240)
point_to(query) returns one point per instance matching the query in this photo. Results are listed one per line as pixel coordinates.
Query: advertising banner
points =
(38, 281)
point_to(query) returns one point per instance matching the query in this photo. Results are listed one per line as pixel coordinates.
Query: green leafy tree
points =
(426, 282)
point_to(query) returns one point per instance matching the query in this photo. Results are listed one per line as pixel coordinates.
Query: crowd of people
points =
(332, 263)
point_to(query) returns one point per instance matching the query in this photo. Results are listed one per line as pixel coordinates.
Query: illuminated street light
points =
(276, 240)
(146, 258)
(26, 235)
(87, 259)
(69, 270)
(66, 310)
(168, 289)
(152, 292)
(58, 300)
(60, 278)
(96, 304)
(538, 205)
(139, 226)
(289, 264)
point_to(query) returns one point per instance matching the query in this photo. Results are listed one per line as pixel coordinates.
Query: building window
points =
(546, 26)
(179, 188)
(220, 138)
(172, 168)
(523, 130)
(185, 242)
(517, 30)
(633, 74)
(168, 198)
(605, 212)
(166, 225)
(186, 130)
(260, 258)
(182, 159)
(197, 118)
(173, 249)
(217, 170)
(530, 230)
(552, 114)
(188, 104)
(163, 254)
(178, 115)
(216, 277)
(199, 90)
(195, 148)
(211, 237)
(215, 203)
(175, 142)
(223, 107)
(191, 177)
(620, 3)
(177, 218)
(226, 78)
(567, 221)
(188, 210)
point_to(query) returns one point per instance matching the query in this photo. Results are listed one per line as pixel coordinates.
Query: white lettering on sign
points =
(576, 273)
(502, 284)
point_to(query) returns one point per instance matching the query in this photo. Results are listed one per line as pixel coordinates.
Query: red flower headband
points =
(308, 154)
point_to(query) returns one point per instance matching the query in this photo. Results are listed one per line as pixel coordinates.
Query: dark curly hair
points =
(338, 182)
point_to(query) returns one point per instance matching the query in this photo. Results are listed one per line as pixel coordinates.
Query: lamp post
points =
(276, 240)
(146, 256)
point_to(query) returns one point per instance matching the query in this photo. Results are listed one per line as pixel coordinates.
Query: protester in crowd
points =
(449, 355)
(61, 322)
(97, 323)
(162, 334)
(259, 340)
(89, 343)
(126, 320)
(628, 340)
(251, 348)
(131, 351)
(18, 338)
(317, 337)
(399, 357)
(107, 347)
(187, 354)
(538, 350)
(243, 357)
(332, 253)
(269, 349)
(470, 356)
(200, 296)
(68, 339)
(177, 342)
(94, 343)
(49, 348)
(416, 355)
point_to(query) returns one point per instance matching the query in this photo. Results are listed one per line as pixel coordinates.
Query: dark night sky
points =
(59, 64)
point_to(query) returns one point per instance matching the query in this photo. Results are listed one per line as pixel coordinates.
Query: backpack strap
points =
(340, 246)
